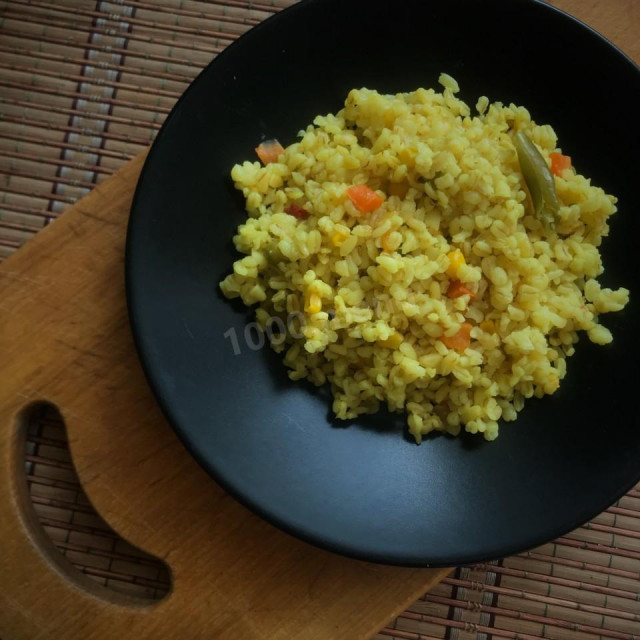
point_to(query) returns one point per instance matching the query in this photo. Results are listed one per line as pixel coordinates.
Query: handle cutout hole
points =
(90, 547)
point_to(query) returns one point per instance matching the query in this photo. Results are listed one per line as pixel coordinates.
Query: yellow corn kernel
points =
(398, 189)
(392, 342)
(456, 260)
(407, 155)
(338, 237)
(489, 326)
(313, 303)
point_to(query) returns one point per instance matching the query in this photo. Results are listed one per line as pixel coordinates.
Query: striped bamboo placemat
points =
(84, 86)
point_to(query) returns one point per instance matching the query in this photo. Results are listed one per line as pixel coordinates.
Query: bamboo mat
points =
(84, 86)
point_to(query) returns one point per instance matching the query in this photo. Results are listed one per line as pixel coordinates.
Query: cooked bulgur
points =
(434, 288)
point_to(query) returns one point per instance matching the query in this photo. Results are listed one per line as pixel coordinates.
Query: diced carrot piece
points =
(559, 163)
(296, 211)
(269, 150)
(459, 341)
(365, 199)
(457, 289)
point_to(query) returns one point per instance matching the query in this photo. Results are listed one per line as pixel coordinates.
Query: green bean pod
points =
(539, 179)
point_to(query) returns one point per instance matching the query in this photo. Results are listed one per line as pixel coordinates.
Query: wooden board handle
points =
(66, 340)
(31, 559)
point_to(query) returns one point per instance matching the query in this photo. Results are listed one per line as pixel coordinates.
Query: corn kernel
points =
(338, 237)
(407, 155)
(392, 342)
(488, 326)
(456, 260)
(313, 303)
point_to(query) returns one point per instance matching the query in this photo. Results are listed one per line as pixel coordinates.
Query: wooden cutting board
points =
(64, 338)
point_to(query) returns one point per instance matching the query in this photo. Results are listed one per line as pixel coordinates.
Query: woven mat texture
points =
(85, 86)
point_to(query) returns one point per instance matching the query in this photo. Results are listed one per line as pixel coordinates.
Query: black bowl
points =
(363, 489)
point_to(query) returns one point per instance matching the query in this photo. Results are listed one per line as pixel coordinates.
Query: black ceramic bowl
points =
(363, 489)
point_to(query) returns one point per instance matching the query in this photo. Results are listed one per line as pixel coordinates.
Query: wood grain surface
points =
(64, 338)
(616, 20)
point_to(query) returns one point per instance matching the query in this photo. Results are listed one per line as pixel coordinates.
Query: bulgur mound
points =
(450, 301)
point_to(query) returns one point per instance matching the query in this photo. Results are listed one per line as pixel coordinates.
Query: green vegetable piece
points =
(539, 179)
